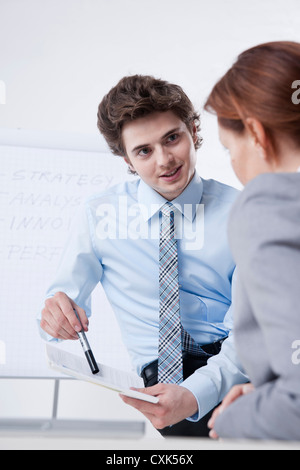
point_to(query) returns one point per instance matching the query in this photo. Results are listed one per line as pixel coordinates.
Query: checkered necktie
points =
(169, 347)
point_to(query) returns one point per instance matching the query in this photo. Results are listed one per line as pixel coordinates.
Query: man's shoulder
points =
(223, 192)
(113, 193)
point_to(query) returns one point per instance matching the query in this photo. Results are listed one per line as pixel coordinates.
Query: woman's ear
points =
(259, 136)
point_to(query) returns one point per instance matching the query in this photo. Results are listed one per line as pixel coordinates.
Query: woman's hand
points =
(236, 392)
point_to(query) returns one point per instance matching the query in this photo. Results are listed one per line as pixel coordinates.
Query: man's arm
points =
(78, 273)
(198, 394)
(211, 383)
(202, 391)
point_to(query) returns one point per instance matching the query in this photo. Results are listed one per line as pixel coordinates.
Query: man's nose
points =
(163, 156)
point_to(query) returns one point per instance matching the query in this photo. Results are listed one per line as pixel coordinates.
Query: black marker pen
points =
(86, 348)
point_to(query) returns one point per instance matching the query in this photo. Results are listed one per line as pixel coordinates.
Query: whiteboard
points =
(44, 177)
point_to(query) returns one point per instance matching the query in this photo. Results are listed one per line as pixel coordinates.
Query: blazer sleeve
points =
(265, 237)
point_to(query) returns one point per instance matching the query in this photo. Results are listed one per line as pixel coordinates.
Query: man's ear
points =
(131, 169)
(127, 161)
(194, 135)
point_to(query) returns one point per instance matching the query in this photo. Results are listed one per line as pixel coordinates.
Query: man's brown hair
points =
(137, 96)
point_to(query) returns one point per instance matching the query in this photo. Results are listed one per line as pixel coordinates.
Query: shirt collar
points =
(152, 201)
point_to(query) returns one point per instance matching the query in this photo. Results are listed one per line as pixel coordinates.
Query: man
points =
(159, 247)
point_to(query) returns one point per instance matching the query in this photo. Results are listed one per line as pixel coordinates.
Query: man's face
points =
(161, 149)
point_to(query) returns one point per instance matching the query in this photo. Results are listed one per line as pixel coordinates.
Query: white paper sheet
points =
(109, 377)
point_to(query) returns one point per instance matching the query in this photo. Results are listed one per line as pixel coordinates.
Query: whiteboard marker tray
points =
(72, 428)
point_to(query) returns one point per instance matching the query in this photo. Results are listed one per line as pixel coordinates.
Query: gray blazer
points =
(264, 235)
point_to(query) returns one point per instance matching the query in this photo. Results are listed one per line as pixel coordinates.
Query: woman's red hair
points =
(259, 85)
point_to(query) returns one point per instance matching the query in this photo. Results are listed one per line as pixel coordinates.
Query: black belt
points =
(213, 348)
(190, 363)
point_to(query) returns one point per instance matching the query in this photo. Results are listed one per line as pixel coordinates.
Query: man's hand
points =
(59, 319)
(236, 392)
(175, 404)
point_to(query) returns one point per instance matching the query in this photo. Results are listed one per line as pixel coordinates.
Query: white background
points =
(59, 57)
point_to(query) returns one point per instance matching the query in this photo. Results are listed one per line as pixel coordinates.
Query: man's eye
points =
(144, 152)
(173, 137)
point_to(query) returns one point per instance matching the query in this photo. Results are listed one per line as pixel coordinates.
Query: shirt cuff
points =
(205, 392)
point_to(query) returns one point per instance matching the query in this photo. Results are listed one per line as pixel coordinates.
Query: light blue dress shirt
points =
(116, 242)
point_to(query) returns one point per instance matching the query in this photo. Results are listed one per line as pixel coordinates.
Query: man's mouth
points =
(172, 174)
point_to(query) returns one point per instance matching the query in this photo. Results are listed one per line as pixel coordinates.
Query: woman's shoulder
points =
(267, 209)
(270, 189)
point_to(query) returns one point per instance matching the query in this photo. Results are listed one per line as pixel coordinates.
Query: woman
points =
(259, 123)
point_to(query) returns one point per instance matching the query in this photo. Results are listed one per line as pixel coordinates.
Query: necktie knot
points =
(167, 209)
